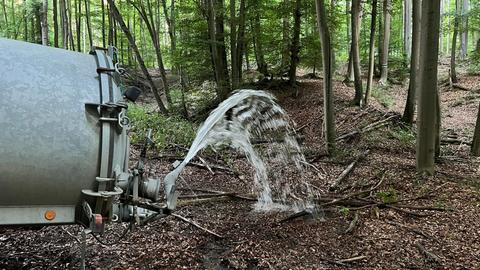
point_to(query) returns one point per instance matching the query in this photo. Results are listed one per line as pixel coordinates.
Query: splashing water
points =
(245, 117)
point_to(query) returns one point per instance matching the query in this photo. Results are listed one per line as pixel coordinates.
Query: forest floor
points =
(394, 233)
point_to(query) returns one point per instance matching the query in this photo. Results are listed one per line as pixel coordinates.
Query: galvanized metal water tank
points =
(62, 130)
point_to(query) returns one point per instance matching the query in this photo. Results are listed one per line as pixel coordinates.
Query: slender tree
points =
(118, 17)
(295, 47)
(356, 19)
(371, 54)
(409, 111)
(453, 52)
(44, 23)
(387, 9)
(55, 22)
(328, 116)
(428, 105)
(475, 150)
(257, 41)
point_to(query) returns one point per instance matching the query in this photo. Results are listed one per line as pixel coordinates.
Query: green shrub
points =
(167, 131)
(405, 135)
(380, 93)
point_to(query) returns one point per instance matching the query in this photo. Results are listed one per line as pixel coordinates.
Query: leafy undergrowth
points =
(380, 237)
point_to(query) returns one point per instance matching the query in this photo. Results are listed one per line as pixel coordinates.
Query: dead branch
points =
(454, 141)
(348, 170)
(369, 127)
(191, 222)
(430, 256)
(352, 224)
(409, 228)
(353, 259)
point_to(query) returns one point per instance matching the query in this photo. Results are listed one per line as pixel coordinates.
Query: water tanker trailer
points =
(64, 147)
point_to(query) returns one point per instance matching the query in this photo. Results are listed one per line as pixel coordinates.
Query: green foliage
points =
(382, 95)
(167, 130)
(405, 135)
(344, 211)
(388, 196)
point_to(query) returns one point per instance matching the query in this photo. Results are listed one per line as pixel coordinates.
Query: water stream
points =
(251, 121)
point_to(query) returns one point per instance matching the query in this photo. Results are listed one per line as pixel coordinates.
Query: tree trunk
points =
(233, 43)
(475, 150)
(356, 19)
(104, 43)
(257, 41)
(78, 23)
(89, 25)
(407, 30)
(55, 24)
(240, 44)
(221, 50)
(453, 52)
(69, 23)
(44, 23)
(38, 23)
(25, 21)
(295, 47)
(428, 93)
(118, 17)
(387, 8)
(409, 111)
(328, 116)
(464, 35)
(285, 37)
(371, 54)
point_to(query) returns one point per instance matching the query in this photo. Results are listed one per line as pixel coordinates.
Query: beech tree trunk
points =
(78, 23)
(55, 23)
(453, 52)
(240, 46)
(371, 53)
(428, 106)
(328, 116)
(118, 17)
(89, 24)
(407, 24)
(387, 8)
(464, 35)
(257, 41)
(475, 150)
(64, 24)
(409, 111)
(295, 48)
(44, 23)
(233, 43)
(356, 19)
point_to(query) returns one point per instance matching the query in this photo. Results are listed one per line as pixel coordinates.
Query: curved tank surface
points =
(55, 137)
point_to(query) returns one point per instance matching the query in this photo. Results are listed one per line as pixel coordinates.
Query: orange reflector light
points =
(50, 215)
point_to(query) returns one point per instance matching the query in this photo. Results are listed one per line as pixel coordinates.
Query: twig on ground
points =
(353, 259)
(193, 223)
(348, 170)
(409, 228)
(352, 224)
(430, 256)
(206, 165)
(369, 127)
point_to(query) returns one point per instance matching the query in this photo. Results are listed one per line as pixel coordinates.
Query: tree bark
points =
(44, 23)
(428, 90)
(240, 47)
(55, 23)
(257, 41)
(371, 54)
(475, 150)
(78, 23)
(295, 47)
(387, 8)
(89, 24)
(69, 24)
(464, 34)
(329, 117)
(407, 30)
(356, 19)
(233, 43)
(453, 52)
(409, 111)
(118, 17)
